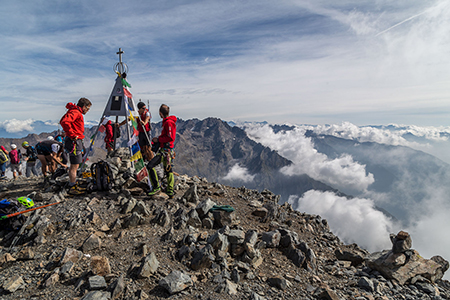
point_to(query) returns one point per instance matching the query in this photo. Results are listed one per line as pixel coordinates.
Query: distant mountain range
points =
(211, 148)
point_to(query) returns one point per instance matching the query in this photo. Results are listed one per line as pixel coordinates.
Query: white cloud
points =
(342, 172)
(239, 173)
(353, 220)
(14, 125)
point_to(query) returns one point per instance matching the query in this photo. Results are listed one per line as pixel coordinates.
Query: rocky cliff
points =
(123, 244)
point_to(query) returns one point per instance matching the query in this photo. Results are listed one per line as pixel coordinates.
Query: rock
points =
(134, 220)
(91, 243)
(191, 194)
(70, 254)
(386, 263)
(94, 218)
(161, 218)
(6, 258)
(168, 236)
(142, 209)
(54, 278)
(272, 238)
(327, 294)
(97, 282)
(219, 241)
(236, 237)
(366, 284)
(25, 254)
(227, 287)
(255, 296)
(207, 223)
(13, 284)
(251, 237)
(129, 206)
(278, 282)
(224, 218)
(203, 258)
(117, 288)
(260, 212)
(193, 219)
(100, 265)
(176, 282)
(204, 207)
(401, 242)
(97, 295)
(148, 266)
(295, 255)
(351, 253)
(66, 269)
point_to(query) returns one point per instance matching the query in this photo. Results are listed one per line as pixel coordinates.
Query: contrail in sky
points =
(410, 18)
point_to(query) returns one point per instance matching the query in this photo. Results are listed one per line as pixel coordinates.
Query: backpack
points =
(102, 175)
(3, 157)
(9, 207)
(32, 154)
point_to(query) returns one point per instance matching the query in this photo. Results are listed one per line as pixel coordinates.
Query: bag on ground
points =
(102, 176)
(9, 207)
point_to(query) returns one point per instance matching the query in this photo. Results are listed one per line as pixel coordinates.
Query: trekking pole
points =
(25, 211)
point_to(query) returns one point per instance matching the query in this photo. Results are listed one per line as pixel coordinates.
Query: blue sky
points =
(309, 62)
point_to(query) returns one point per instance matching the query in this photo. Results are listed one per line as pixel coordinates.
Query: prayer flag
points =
(134, 139)
(125, 83)
(141, 174)
(139, 165)
(102, 128)
(136, 156)
(127, 93)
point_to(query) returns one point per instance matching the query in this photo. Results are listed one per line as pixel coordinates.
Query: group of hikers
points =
(68, 147)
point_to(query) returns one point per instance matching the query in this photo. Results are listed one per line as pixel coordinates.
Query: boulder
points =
(176, 282)
(401, 242)
(405, 266)
(148, 266)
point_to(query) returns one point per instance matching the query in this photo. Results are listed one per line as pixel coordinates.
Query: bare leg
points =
(73, 173)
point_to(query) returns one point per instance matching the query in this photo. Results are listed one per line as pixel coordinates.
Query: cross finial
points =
(120, 54)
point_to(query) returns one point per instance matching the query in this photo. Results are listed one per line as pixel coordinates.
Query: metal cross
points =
(120, 54)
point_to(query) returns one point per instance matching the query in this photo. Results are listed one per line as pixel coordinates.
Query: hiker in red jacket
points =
(109, 134)
(145, 131)
(14, 157)
(165, 154)
(73, 125)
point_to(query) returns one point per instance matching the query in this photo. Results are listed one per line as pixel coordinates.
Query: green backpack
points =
(3, 157)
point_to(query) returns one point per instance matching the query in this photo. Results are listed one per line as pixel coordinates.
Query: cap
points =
(50, 138)
(13, 146)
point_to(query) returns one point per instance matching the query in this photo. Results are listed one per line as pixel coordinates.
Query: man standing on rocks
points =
(144, 129)
(73, 125)
(30, 158)
(165, 153)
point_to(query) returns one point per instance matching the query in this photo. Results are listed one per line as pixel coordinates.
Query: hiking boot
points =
(155, 191)
(170, 194)
(76, 190)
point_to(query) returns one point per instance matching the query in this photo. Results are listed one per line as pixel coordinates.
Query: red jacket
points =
(109, 132)
(143, 117)
(169, 131)
(73, 122)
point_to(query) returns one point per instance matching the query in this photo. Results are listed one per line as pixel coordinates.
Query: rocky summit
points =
(210, 241)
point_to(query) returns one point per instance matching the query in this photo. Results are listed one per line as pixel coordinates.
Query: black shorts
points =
(144, 140)
(75, 150)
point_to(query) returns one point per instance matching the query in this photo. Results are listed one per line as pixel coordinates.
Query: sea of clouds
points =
(358, 219)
